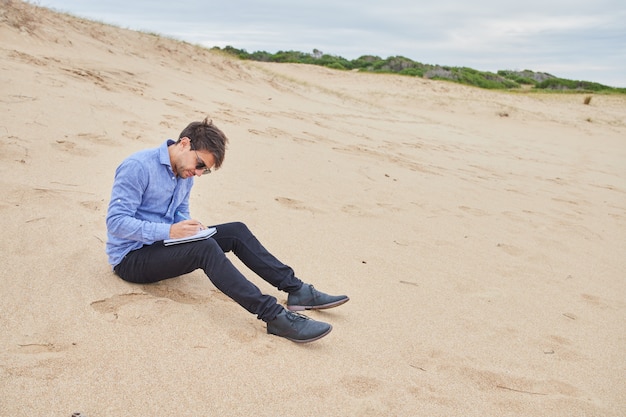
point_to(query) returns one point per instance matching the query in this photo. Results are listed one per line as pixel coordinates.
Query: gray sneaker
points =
(308, 298)
(297, 328)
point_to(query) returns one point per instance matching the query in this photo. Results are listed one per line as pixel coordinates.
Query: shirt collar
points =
(164, 155)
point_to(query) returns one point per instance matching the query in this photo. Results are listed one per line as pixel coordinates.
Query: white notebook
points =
(201, 235)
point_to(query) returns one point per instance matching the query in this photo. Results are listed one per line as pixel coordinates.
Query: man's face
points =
(190, 162)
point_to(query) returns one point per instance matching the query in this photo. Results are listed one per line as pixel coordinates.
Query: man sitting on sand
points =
(150, 203)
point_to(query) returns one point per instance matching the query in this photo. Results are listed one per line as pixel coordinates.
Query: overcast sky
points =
(575, 39)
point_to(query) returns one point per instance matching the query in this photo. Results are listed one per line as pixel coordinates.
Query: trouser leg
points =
(157, 262)
(236, 237)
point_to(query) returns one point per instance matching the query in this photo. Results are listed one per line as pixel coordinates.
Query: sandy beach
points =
(481, 237)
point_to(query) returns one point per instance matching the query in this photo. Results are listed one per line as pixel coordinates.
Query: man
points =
(150, 203)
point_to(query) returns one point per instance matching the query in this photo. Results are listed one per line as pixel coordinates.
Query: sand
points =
(480, 235)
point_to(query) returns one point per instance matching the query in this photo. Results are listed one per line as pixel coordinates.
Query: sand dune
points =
(480, 235)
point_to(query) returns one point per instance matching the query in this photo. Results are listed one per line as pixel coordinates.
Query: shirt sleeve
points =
(128, 189)
(182, 212)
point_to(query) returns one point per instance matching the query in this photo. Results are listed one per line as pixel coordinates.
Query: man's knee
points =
(241, 226)
(237, 229)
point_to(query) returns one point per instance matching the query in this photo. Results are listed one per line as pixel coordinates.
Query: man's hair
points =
(205, 136)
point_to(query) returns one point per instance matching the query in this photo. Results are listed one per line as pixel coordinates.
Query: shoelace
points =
(314, 293)
(296, 316)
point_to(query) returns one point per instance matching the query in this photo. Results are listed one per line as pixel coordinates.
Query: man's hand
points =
(185, 228)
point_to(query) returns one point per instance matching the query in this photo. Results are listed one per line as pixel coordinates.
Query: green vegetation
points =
(504, 79)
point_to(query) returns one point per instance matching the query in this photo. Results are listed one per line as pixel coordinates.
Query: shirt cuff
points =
(162, 231)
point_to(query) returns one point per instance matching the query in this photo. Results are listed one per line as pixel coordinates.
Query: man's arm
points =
(126, 197)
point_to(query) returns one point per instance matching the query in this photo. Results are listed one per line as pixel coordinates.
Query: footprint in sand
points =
(131, 308)
(355, 210)
(247, 205)
(360, 386)
(487, 381)
(71, 148)
(176, 295)
(142, 307)
(474, 211)
(93, 205)
(114, 303)
(294, 204)
(596, 301)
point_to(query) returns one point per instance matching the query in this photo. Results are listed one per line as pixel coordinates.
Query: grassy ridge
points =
(504, 79)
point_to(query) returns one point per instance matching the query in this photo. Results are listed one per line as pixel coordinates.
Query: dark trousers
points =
(157, 262)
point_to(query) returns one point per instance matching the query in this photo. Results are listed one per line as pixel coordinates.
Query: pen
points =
(182, 216)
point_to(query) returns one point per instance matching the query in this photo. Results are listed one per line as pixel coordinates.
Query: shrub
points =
(503, 79)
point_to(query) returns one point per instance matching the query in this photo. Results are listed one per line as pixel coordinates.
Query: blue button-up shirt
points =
(147, 198)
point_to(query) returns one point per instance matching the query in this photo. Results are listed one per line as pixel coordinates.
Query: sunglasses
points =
(200, 164)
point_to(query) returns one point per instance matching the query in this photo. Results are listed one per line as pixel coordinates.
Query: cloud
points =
(577, 35)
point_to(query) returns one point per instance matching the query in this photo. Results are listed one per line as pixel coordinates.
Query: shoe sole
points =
(320, 307)
(310, 340)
